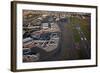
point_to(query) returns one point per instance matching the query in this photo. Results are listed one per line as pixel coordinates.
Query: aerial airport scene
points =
(56, 36)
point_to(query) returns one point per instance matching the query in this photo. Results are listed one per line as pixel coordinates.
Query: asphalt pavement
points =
(85, 49)
(68, 50)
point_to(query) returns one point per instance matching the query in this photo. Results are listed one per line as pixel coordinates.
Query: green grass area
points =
(75, 33)
(84, 27)
(76, 36)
